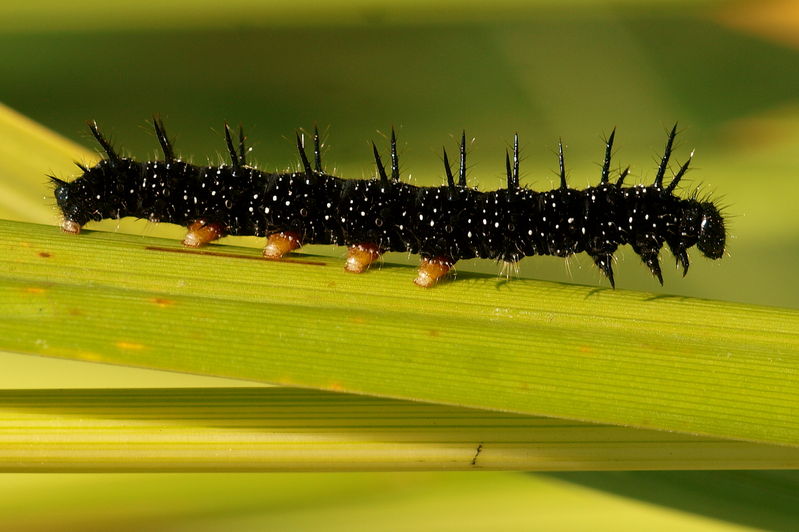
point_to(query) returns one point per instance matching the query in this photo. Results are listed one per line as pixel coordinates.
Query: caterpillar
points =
(443, 224)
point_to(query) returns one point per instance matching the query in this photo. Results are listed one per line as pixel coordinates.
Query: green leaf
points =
(283, 429)
(28, 151)
(588, 353)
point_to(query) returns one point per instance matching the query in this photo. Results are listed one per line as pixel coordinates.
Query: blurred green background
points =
(727, 71)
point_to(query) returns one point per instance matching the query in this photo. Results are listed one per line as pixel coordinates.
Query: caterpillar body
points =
(372, 216)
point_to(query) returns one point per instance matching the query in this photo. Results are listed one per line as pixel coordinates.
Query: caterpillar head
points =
(80, 200)
(70, 205)
(712, 233)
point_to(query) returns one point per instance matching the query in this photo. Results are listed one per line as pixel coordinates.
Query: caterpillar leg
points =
(432, 270)
(604, 262)
(361, 256)
(202, 232)
(681, 256)
(68, 226)
(650, 258)
(278, 244)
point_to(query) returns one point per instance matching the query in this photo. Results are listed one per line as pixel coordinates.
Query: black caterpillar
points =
(442, 224)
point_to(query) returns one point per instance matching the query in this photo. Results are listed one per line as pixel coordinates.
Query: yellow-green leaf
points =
(587, 353)
(283, 429)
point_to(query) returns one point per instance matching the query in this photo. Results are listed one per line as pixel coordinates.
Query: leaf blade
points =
(626, 358)
(284, 429)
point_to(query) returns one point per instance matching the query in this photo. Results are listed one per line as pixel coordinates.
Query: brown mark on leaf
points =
(435, 333)
(44, 255)
(335, 387)
(476, 454)
(162, 302)
(232, 255)
(35, 290)
(130, 346)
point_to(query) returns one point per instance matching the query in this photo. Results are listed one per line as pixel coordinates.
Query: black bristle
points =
(163, 140)
(664, 161)
(381, 170)
(623, 174)
(509, 171)
(608, 154)
(395, 175)
(242, 146)
(462, 165)
(678, 176)
(112, 155)
(448, 170)
(303, 156)
(234, 156)
(317, 150)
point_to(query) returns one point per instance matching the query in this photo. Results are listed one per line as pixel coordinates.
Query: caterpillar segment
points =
(442, 224)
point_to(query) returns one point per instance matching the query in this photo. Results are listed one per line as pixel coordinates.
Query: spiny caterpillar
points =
(372, 216)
